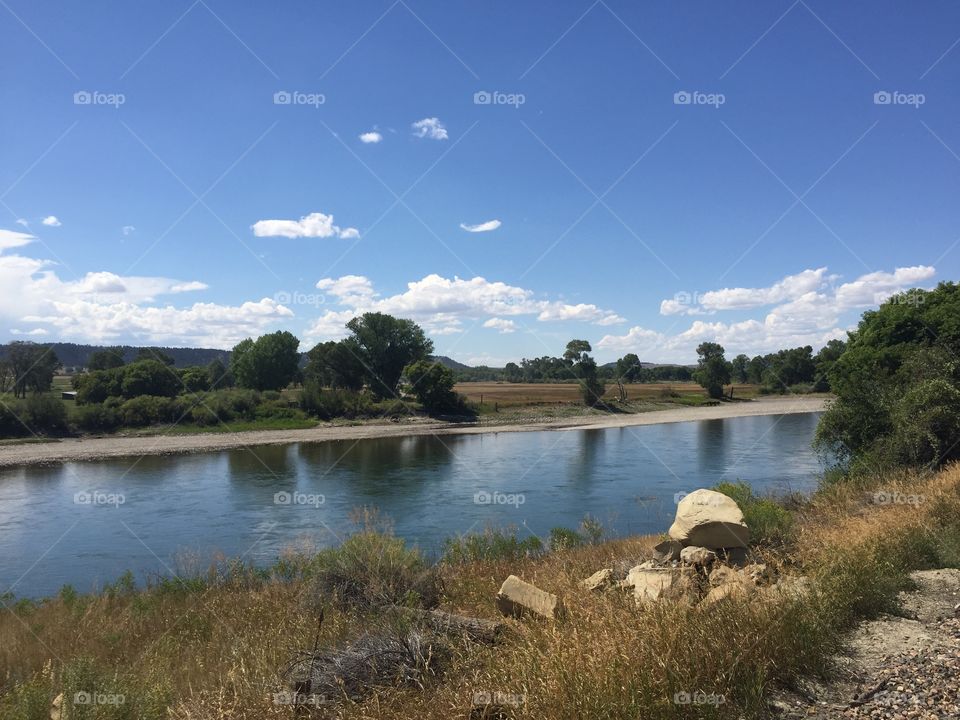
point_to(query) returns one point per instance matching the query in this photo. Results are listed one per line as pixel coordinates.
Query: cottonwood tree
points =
(32, 367)
(270, 362)
(385, 345)
(713, 371)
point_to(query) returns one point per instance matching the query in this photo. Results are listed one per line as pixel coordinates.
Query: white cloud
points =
(23, 221)
(790, 287)
(430, 128)
(128, 229)
(811, 311)
(104, 307)
(482, 227)
(442, 305)
(51, 221)
(371, 137)
(12, 238)
(504, 326)
(315, 224)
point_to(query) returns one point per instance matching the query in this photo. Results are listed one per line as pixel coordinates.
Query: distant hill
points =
(451, 363)
(74, 355)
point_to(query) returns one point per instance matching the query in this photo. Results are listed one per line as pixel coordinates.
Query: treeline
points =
(74, 356)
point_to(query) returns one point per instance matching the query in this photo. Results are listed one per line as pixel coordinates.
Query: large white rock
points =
(709, 519)
(653, 584)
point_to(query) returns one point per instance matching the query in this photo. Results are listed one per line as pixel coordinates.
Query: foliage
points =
(374, 569)
(713, 371)
(490, 545)
(336, 365)
(195, 379)
(268, 363)
(897, 385)
(106, 358)
(385, 345)
(432, 383)
(770, 522)
(96, 418)
(149, 377)
(146, 410)
(330, 403)
(31, 366)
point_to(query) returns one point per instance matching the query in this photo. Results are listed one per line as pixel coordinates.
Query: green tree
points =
(149, 377)
(195, 379)
(268, 363)
(433, 383)
(385, 345)
(153, 353)
(218, 375)
(335, 365)
(824, 362)
(738, 368)
(32, 367)
(897, 385)
(713, 371)
(106, 359)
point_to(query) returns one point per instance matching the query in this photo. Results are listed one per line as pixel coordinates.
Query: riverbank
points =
(97, 448)
(220, 644)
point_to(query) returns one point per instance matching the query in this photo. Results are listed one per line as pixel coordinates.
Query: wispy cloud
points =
(314, 225)
(430, 128)
(482, 227)
(128, 229)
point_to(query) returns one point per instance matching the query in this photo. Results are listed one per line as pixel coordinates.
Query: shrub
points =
(329, 403)
(150, 377)
(97, 386)
(146, 410)
(490, 545)
(373, 569)
(43, 413)
(770, 523)
(98, 417)
(562, 538)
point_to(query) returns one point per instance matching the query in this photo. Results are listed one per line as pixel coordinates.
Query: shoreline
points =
(100, 448)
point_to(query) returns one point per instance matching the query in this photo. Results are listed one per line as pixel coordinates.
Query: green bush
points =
(373, 569)
(770, 523)
(329, 403)
(146, 410)
(562, 538)
(43, 413)
(98, 417)
(491, 545)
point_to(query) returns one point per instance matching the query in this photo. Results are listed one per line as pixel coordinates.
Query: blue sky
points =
(659, 173)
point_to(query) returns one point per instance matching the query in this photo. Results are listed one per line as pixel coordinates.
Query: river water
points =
(86, 523)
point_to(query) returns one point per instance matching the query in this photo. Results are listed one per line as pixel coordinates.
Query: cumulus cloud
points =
(482, 227)
(442, 305)
(105, 307)
(430, 128)
(371, 137)
(51, 221)
(809, 308)
(504, 326)
(314, 225)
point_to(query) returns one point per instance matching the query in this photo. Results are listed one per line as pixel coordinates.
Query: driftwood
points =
(475, 629)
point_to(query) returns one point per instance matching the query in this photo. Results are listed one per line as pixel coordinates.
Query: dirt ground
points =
(895, 667)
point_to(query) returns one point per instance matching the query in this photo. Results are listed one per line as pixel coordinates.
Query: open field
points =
(510, 394)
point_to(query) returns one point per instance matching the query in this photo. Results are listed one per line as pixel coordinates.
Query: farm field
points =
(514, 394)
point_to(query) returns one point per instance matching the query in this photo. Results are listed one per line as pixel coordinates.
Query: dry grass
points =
(217, 650)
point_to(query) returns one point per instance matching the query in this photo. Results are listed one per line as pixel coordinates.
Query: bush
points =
(43, 413)
(373, 569)
(562, 538)
(97, 386)
(491, 545)
(150, 377)
(97, 417)
(146, 410)
(770, 523)
(329, 403)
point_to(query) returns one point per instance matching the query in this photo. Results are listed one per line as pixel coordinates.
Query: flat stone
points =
(519, 598)
(600, 580)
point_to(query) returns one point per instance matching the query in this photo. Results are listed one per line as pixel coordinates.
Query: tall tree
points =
(270, 362)
(32, 367)
(713, 371)
(738, 368)
(385, 345)
(105, 359)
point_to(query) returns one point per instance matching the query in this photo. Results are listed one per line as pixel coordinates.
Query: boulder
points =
(722, 575)
(736, 590)
(600, 580)
(709, 519)
(667, 551)
(697, 556)
(519, 598)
